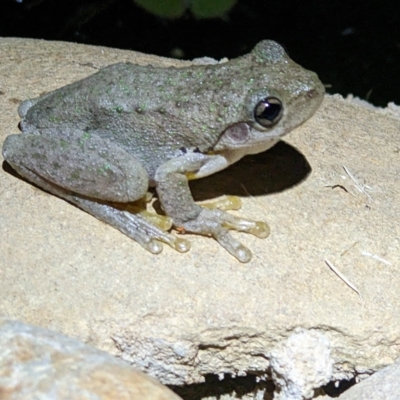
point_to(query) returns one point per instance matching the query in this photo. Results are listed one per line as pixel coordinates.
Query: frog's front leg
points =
(177, 201)
(88, 171)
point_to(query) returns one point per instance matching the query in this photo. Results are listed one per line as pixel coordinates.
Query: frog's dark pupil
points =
(268, 111)
(271, 111)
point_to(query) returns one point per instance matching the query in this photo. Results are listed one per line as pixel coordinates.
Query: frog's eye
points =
(268, 111)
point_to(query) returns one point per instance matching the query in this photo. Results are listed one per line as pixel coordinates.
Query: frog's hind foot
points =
(145, 228)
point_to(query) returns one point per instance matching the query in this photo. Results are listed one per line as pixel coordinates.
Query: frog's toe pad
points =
(243, 254)
(181, 245)
(153, 246)
(260, 229)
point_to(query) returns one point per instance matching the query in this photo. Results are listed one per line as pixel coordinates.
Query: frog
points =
(110, 138)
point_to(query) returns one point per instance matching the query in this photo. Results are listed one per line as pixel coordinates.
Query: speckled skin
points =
(110, 136)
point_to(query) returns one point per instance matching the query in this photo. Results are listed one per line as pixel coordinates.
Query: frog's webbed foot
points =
(217, 223)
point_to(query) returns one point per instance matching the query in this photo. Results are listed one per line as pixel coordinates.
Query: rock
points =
(382, 385)
(301, 364)
(36, 363)
(180, 317)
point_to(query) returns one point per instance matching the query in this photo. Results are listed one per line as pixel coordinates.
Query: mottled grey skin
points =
(110, 136)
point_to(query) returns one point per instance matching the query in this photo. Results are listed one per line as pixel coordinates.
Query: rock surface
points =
(383, 385)
(182, 316)
(39, 364)
(301, 364)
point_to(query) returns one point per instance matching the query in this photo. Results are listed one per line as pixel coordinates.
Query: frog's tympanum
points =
(107, 138)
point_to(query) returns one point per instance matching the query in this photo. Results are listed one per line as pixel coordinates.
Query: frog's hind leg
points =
(74, 171)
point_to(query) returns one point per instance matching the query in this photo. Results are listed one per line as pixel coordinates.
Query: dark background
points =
(353, 45)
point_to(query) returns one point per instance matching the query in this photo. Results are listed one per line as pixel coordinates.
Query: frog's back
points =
(122, 84)
(68, 104)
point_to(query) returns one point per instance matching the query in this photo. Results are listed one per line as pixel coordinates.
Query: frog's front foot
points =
(217, 224)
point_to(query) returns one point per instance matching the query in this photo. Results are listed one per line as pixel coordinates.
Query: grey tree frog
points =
(108, 138)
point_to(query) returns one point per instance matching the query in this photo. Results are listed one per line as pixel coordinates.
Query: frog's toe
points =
(259, 229)
(150, 236)
(234, 247)
(243, 254)
(177, 243)
(181, 245)
(256, 228)
(224, 203)
(153, 246)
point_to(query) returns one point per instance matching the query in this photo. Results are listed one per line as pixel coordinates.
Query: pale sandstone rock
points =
(301, 364)
(181, 316)
(39, 364)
